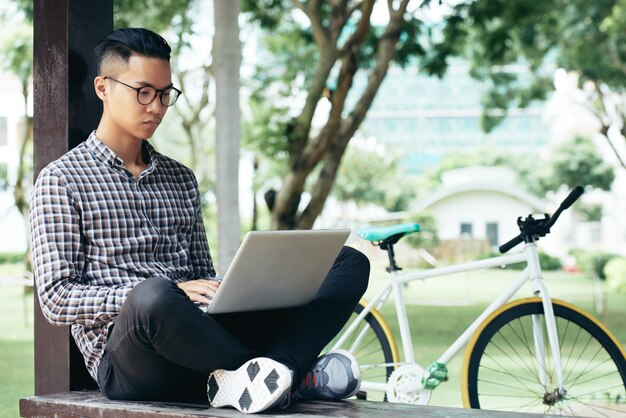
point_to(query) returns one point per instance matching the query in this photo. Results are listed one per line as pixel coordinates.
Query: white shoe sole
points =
(257, 385)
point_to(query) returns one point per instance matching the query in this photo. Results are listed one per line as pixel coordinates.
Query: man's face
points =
(127, 115)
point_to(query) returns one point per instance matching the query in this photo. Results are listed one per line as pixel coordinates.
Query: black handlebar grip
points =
(572, 197)
(508, 245)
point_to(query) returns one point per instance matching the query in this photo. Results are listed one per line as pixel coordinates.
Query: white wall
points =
(478, 208)
(12, 225)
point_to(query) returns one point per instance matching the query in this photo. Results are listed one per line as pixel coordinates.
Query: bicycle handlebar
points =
(512, 243)
(566, 203)
(548, 222)
(571, 198)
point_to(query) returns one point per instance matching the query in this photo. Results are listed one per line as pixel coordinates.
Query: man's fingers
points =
(199, 289)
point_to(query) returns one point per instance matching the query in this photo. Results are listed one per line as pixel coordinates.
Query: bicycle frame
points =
(531, 273)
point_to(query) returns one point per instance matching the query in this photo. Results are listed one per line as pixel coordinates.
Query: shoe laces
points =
(314, 379)
(311, 381)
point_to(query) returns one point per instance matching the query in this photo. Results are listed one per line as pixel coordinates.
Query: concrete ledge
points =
(91, 404)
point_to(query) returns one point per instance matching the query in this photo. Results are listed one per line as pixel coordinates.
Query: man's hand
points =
(200, 290)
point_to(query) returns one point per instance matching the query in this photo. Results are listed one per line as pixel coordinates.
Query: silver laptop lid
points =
(278, 269)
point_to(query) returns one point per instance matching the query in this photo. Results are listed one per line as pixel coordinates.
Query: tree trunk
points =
(19, 189)
(226, 62)
(330, 145)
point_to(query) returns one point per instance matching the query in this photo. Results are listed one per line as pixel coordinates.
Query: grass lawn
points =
(439, 310)
(16, 346)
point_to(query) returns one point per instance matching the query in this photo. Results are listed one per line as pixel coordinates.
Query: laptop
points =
(277, 269)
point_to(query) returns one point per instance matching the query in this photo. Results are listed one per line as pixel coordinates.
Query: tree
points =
(568, 164)
(315, 47)
(531, 171)
(578, 161)
(227, 58)
(193, 111)
(16, 56)
(368, 176)
(179, 21)
(587, 37)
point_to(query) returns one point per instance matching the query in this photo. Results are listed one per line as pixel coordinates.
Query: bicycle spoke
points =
(504, 357)
(574, 367)
(501, 385)
(595, 391)
(600, 376)
(508, 374)
(526, 345)
(601, 409)
(531, 355)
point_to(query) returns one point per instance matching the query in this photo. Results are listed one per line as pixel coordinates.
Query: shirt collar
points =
(107, 155)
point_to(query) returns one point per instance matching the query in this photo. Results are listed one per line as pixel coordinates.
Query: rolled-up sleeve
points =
(59, 259)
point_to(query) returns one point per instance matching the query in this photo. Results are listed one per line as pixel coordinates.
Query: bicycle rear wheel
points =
(501, 368)
(373, 346)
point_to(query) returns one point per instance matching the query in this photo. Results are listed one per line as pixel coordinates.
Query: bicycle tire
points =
(377, 352)
(500, 368)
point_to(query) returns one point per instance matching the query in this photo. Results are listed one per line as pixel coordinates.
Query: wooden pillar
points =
(66, 110)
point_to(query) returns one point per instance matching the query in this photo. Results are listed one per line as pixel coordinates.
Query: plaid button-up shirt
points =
(97, 232)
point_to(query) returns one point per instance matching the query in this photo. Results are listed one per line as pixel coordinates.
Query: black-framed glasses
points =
(147, 94)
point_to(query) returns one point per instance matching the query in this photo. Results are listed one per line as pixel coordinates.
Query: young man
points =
(121, 255)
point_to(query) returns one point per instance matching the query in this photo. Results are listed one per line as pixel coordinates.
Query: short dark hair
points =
(120, 44)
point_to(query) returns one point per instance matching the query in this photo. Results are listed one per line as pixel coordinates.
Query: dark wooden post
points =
(66, 110)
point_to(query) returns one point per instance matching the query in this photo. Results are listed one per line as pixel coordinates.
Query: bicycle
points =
(535, 354)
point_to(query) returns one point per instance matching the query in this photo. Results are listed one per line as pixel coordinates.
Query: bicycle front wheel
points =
(501, 370)
(374, 347)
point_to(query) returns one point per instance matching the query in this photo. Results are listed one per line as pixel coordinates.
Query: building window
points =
(492, 233)
(3, 132)
(466, 230)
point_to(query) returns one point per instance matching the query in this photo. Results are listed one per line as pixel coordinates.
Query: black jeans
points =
(163, 347)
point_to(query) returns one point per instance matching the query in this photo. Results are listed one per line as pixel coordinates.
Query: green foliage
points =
(549, 263)
(589, 213)
(284, 72)
(568, 164)
(4, 177)
(369, 177)
(16, 51)
(11, 257)
(578, 161)
(428, 237)
(578, 35)
(531, 171)
(311, 50)
(26, 7)
(264, 129)
(156, 15)
(593, 262)
(615, 272)
(268, 13)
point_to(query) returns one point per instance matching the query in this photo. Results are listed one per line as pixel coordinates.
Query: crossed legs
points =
(163, 347)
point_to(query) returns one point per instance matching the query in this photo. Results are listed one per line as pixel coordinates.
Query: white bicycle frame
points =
(531, 273)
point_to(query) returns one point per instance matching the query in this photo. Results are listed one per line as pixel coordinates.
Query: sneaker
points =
(335, 375)
(259, 384)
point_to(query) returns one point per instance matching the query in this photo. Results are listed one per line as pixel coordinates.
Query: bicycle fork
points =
(550, 397)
